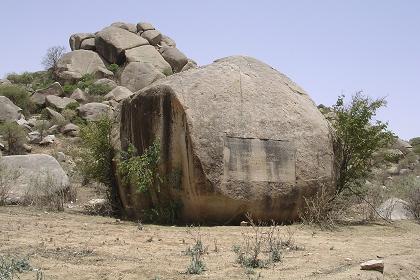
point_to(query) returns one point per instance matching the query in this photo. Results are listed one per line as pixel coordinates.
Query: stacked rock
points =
(142, 53)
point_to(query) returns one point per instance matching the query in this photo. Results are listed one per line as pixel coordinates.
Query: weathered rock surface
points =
(143, 26)
(167, 41)
(237, 136)
(70, 129)
(8, 110)
(94, 111)
(55, 116)
(78, 95)
(76, 40)
(73, 65)
(137, 75)
(108, 82)
(127, 26)
(119, 93)
(37, 174)
(149, 54)
(58, 103)
(38, 97)
(377, 265)
(88, 44)
(112, 41)
(152, 36)
(174, 57)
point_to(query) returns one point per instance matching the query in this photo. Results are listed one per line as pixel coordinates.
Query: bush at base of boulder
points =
(15, 136)
(19, 96)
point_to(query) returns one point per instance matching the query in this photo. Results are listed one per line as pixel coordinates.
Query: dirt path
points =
(74, 246)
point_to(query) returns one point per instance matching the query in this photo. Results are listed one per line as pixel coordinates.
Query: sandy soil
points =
(70, 245)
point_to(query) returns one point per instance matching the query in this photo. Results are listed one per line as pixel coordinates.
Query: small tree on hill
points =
(52, 56)
(358, 139)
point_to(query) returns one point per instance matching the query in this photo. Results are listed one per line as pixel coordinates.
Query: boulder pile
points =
(143, 55)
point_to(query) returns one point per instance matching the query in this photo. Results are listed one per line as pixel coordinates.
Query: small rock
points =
(27, 148)
(61, 157)
(49, 139)
(244, 224)
(34, 137)
(377, 265)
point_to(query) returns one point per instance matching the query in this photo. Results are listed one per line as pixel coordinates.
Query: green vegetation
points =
(97, 154)
(36, 80)
(357, 140)
(15, 137)
(415, 143)
(10, 267)
(72, 106)
(19, 96)
(196, 252)
(98, 89)
(113, 68)
(86, 81)
(68, 89)
(141, 170)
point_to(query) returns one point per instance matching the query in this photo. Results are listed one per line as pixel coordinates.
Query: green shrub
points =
(86, 81)
(141, 170)
(96, 157)
(37, 80)
(15, 137)
(98, 89)
(415, 143)
(72, 106)
(69, 114)
(25, 78)
(113, 68)
(68, 89)
(19, 96)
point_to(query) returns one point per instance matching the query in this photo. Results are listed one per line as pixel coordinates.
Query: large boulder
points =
(235, 136)
(106, 82)
(119, 93)
(74, 65)
(112, 41)
(53, 89)
(127, 26)
(137, 75)
(78, 95)
(33, 175)
(174, 57)
(59, 103)
(8, 110)
(77, 39)
(88, 44)
(394, 209)
(152, 36)
(94, 111)
(55, 116)
(148, 54)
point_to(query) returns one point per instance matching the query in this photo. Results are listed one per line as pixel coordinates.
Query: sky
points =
(327, 47)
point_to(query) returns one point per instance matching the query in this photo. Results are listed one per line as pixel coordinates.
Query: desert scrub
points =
(19, 96)
(8, 179)
(86, 81)
(11, 267)
(141, 171)
(262, 246)
(196, 252)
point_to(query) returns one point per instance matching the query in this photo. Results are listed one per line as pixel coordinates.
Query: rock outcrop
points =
(236, 136)
(142, 53)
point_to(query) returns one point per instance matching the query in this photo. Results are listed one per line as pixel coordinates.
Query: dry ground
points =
(71, 245)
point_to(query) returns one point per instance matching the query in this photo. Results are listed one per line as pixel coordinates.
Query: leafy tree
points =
(52, 57)
(97, 154)
(15, 136)
(358, 138)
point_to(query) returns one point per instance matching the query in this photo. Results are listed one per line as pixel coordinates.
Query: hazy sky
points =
(327, 47)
